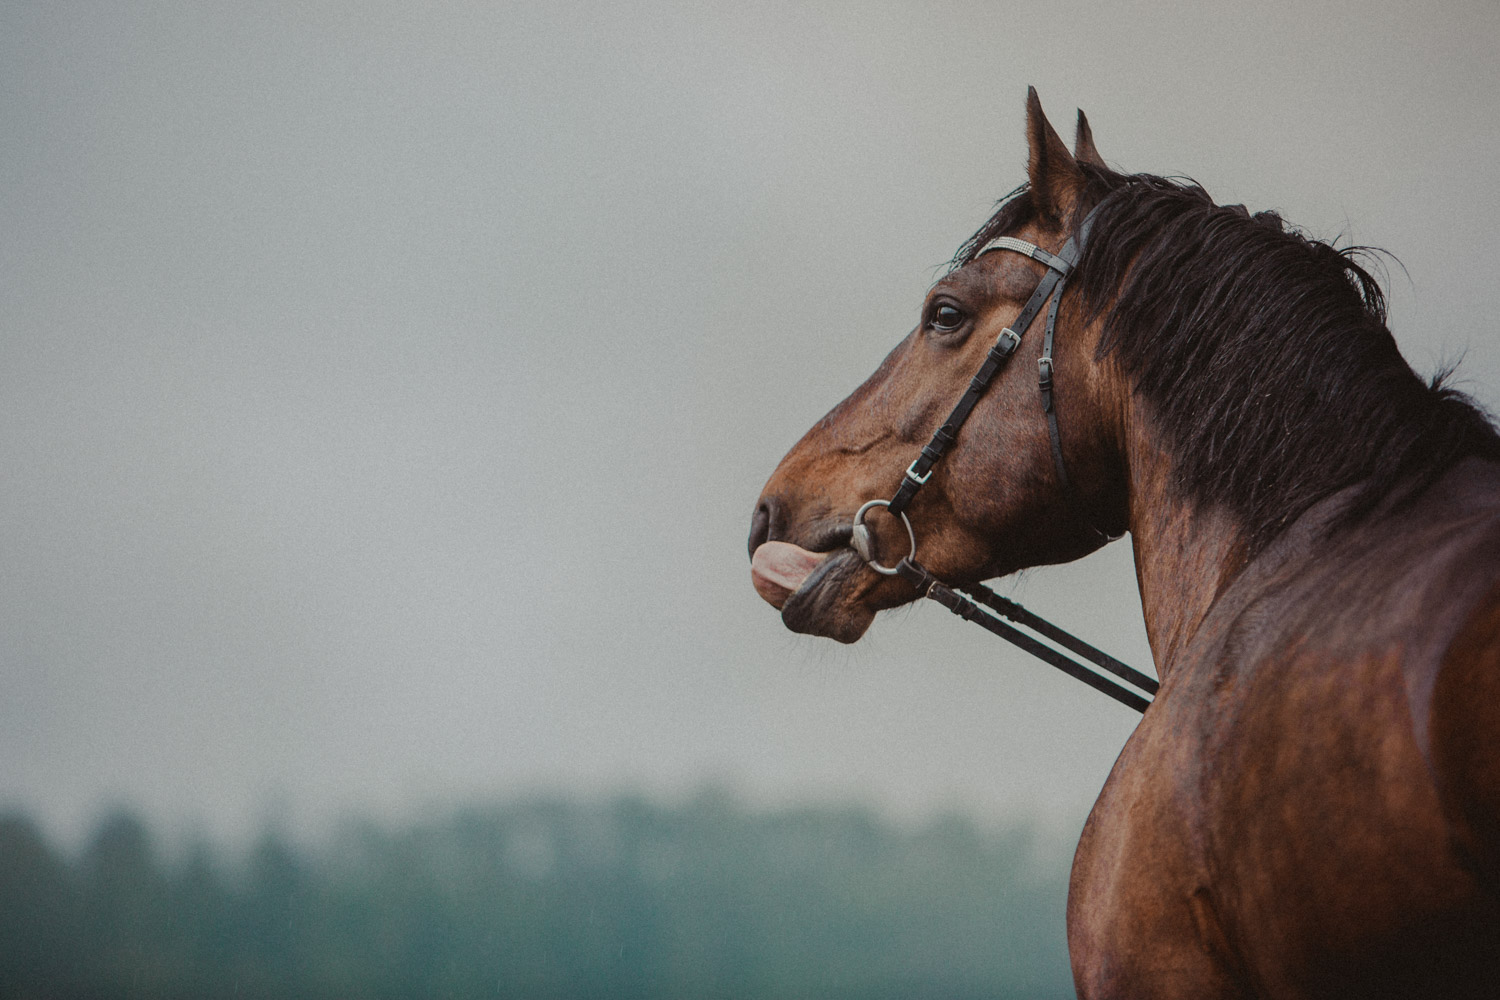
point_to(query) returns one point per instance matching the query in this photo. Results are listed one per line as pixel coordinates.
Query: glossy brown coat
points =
(1311, 807)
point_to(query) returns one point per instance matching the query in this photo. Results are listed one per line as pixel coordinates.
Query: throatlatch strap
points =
(1070, 254)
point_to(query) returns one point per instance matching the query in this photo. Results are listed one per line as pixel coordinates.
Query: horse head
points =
(999, 500)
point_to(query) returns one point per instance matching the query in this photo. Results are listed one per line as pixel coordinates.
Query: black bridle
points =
(1051, 287)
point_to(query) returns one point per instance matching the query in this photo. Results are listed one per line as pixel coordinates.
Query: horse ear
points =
(1055, 178)
(1084, 150)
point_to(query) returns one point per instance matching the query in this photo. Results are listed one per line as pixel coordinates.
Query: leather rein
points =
(995, 607)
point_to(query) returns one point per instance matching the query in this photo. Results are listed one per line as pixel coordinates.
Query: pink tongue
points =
(778, 568)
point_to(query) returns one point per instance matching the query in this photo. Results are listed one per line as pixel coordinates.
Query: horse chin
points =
(827, 603)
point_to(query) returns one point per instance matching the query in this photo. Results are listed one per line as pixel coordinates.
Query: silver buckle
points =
(912, 475)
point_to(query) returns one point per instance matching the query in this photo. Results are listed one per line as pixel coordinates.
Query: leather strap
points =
(1005, 345)
(1021, 246)
(1007, 608)
(1044, 379)
(1051, 288)
(932, 588)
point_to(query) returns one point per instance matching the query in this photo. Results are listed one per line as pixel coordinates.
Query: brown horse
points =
(1311, 806)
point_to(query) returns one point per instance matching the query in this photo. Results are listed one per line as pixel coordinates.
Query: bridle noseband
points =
(1059, 266)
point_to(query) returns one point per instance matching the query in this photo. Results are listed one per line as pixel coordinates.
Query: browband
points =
(1029, 249)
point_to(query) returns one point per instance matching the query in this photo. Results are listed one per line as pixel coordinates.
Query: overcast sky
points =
(385, 389)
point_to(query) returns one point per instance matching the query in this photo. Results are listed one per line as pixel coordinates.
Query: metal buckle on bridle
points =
(862, 542)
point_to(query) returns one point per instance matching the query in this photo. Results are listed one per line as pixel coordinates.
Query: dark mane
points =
(1264, 353)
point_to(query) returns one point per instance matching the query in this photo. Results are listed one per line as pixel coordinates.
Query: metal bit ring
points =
(863, 542)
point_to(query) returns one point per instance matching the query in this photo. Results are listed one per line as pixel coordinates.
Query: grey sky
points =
(384, 390)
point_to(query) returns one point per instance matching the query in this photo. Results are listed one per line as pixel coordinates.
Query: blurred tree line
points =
(543, 899)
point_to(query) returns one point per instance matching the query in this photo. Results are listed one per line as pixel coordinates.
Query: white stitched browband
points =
(1008, 243)
(1031, 250)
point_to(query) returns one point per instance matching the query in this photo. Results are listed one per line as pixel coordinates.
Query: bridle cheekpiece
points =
(1050, 288)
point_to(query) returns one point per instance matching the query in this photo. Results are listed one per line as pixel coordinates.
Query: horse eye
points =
(947, 318)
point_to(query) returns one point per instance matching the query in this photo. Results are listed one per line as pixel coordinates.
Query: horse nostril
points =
(760, 526)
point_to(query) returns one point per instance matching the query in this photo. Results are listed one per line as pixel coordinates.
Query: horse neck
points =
(1184, 554)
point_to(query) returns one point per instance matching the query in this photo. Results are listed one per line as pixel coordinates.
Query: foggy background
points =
(385, 389)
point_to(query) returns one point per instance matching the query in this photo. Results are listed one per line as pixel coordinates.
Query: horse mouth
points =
(812, 589)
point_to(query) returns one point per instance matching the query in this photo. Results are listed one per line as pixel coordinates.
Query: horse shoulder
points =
(1279, 801)
(1355, 784)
